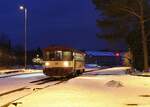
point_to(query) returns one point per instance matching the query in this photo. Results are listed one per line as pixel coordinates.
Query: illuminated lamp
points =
(117, 54)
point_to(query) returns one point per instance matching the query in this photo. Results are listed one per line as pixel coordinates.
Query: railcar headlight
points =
(66, 64)
(47, 64)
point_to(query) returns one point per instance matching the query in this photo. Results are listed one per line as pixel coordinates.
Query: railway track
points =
(20, 72)
(35, 85)
(28, 90)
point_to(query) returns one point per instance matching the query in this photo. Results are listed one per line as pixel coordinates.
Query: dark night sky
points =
(68, 22)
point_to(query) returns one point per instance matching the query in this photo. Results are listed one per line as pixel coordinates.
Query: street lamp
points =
(23, 8)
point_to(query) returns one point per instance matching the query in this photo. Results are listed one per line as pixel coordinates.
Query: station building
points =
(104, 58)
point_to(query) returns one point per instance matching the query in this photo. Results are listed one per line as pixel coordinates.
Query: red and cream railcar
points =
(62, 61)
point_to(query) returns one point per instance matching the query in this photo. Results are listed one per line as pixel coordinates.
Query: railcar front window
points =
(67, 56)
(79, 57)
(54, 55)
(59, 56)
(47, 55)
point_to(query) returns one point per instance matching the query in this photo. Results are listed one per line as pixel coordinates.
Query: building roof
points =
(99, 53)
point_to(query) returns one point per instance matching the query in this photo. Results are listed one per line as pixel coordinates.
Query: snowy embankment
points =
(9, 71)
(12, 72)
(110, 71)
(94, 91)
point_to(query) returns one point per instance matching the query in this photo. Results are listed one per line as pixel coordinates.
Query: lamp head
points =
(21, 7)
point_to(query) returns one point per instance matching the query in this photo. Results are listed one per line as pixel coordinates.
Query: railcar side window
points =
(79, 57)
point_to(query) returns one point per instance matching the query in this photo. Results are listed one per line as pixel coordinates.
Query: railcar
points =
(62, 61)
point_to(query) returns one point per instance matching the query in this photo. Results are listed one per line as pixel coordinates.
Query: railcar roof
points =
(62, 48)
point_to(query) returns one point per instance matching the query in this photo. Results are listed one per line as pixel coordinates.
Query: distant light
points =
(21, 8)
(117, 54)
(59, 51)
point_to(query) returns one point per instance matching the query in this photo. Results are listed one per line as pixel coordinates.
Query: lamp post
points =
(23, 8)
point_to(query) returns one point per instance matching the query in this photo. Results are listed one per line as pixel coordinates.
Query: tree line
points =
(127, 20)
(14, 55)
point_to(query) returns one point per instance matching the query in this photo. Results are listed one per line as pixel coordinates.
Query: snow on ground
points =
(110, 71)
(93, 91)
(18, 81)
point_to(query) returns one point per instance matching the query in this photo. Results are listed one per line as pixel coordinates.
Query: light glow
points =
(47, 64)
(66, 64)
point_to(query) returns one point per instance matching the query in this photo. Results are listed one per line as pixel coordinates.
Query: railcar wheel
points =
(75, 74)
